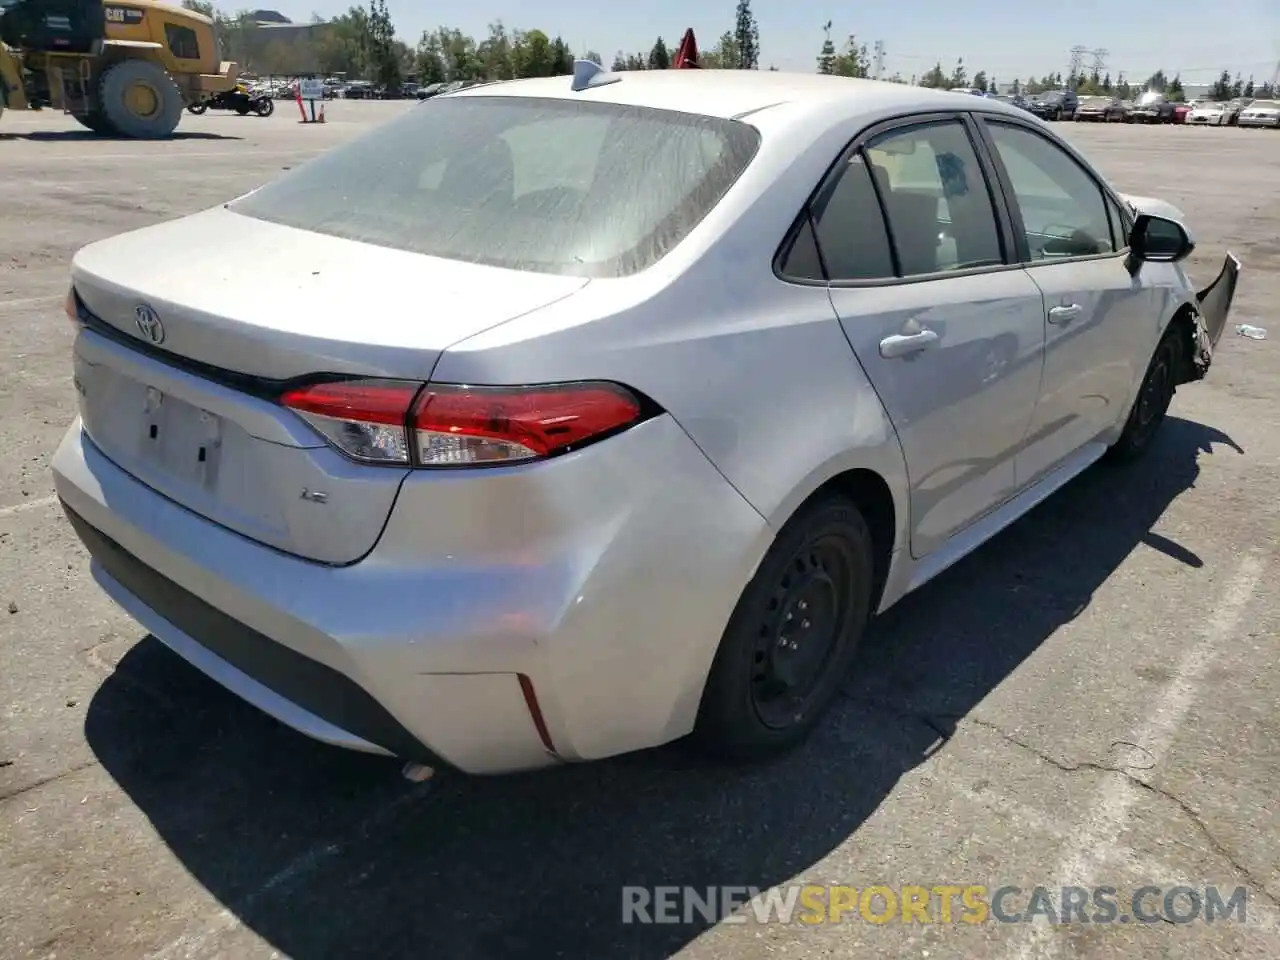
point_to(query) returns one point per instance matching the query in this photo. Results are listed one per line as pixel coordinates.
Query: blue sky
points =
(1005, 38)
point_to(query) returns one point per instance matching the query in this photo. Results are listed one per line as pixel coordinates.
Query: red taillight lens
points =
(72, 307)
(365, 419)
(378, 421)
(458, 425)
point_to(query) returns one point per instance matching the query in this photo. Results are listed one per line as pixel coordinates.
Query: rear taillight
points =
(448, 425)
(72, 306)
(365, 419)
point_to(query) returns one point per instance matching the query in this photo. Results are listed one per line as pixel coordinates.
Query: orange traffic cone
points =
(322, 111)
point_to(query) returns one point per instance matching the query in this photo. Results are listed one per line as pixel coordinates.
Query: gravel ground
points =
(1092, 699)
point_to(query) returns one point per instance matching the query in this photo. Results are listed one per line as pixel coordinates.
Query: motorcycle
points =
(241, 101)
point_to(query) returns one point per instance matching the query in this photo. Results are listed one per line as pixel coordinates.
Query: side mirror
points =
(1159, 240)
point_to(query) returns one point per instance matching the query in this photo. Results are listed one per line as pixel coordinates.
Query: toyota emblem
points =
(149, 323)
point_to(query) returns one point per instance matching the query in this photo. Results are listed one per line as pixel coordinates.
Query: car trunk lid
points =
(191, 329)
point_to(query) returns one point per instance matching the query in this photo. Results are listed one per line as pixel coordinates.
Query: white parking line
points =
(1117, 796)
(26, 505)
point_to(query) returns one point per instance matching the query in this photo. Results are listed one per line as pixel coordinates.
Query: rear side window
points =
(547, 185)
(850, 227)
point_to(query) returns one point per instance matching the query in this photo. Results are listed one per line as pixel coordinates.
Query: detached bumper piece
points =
(1211, 319)
(309, 684)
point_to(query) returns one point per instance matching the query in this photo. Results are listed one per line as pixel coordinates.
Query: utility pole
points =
(879, 62)
(1077, 64)
(1100, 60)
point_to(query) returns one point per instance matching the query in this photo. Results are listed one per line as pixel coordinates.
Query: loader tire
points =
(140, 100)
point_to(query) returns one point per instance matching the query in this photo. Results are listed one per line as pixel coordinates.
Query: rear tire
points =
(792, 635)
(1153, 399)
(265, 107)
(197, 108)
(140, 100)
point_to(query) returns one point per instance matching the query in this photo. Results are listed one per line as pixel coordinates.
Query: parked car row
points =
(1149, 107)
(435, 89)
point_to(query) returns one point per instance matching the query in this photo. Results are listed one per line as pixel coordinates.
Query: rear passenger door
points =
(1101, 321)
(948, 333)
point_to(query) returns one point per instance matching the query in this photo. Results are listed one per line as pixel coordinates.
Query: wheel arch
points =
(879, 489)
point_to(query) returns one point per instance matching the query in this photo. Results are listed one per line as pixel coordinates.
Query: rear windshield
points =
(548, 185)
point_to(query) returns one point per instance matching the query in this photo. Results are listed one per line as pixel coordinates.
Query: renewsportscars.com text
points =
(942, 903)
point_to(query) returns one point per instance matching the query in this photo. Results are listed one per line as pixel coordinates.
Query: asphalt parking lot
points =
(1091, 700)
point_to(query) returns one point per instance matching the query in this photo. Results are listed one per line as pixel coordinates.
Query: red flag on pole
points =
(687, 55)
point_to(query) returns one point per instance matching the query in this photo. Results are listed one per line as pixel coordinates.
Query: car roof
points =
(732, 94)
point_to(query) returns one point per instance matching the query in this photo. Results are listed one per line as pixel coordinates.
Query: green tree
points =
(593, 57)
(827, 55)
(853, 60)
(561, 58)
(1221, 88)
(1175, 91)
(723, 55)
(461, 56)
(200, 6)
(659, 56)
(934, 78)
(429, 62)
(980, 80)
(532, 55)
(746, 33)
(959, 76)
(1248, 89)
(380, 44)
(496, 54)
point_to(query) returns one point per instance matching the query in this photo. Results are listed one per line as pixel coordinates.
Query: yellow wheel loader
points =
(121, 69)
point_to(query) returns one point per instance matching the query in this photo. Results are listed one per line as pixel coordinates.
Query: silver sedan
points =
(566, 417)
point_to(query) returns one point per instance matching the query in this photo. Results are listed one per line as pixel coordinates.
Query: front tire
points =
(1153, 399)
(140, 100)
(792, 635)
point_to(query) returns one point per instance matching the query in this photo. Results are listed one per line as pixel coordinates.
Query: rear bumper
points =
(428, 648)
(1258, 122)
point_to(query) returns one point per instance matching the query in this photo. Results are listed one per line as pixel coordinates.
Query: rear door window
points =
(936, 197)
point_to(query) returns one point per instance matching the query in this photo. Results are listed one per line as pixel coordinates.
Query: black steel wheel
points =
(792, 635)
(1152, 402)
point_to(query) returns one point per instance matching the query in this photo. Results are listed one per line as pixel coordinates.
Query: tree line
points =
(361, 44)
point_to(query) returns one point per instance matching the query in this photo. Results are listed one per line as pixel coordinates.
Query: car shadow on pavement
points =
(328, 854)
(70, 136)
